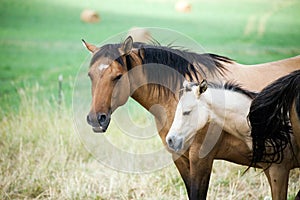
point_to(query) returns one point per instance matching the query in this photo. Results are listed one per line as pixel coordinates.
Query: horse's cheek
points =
(120, 93)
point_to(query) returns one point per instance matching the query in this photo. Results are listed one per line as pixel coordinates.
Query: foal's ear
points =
(203, 86)
(92, 48)
(127, 46)
(200, 88)
(185, 83)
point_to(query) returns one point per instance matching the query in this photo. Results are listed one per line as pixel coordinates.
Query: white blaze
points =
(102, 66)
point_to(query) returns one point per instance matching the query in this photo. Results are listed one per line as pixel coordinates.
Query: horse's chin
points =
(98, 129)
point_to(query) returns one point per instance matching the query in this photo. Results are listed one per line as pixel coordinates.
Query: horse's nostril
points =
(89, 119)
(101, 118)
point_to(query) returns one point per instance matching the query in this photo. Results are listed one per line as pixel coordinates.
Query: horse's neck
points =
(229, 110)
(154, 101)
(151, 88)
(162, 108)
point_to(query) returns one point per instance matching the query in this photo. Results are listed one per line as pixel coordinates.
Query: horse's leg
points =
(200, 176)
(183, 166)
(278, 177)
(200, 167)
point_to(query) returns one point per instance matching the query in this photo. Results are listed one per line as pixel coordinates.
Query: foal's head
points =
(190, 115)
(110, 85)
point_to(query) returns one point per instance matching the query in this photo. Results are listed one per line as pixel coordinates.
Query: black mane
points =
(175, 61)
(234, 87)
(183, 61)
(270, 120)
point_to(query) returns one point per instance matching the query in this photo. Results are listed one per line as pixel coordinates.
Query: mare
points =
(110, 69)
(275, 119)
(200, 105)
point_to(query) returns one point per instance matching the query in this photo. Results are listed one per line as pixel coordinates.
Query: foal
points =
(227, 106)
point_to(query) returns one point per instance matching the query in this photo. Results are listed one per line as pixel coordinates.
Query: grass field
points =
(41, 157)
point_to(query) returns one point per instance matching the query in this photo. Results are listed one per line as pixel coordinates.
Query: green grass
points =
(41, 39)
(41, 156)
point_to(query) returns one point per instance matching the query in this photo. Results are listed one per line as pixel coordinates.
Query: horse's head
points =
(190, 116)
(110, 83)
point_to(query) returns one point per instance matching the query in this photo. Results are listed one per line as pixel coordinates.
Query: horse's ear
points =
(203, 86)
(127, 46)
(92, 48)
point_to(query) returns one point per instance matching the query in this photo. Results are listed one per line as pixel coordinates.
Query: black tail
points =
(269, 118)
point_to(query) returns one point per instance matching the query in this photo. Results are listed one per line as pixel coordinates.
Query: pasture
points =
(42, 157)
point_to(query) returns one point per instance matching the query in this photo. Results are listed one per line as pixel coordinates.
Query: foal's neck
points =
(229, 109)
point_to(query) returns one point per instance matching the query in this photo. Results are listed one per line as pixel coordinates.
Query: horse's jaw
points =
(98, 129)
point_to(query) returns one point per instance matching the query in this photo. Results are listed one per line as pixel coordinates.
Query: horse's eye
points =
(186, 112)
(118, 77)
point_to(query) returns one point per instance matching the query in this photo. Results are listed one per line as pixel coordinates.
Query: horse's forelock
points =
(108, 51)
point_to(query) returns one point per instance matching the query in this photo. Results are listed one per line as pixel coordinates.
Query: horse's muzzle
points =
(99, 121)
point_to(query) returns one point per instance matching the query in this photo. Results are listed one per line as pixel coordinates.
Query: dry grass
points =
(41, 157)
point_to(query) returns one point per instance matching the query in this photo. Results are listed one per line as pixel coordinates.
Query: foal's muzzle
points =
(174, 143)
(99, 121)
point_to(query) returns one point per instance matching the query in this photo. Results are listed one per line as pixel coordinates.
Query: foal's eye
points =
(186, 112)
(117, 77)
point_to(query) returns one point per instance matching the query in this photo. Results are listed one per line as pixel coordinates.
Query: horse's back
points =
(291, 63)
(256, 77)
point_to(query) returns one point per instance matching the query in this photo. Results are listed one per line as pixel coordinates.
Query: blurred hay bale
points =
(139, 34)
(183, 6)
(89, 16)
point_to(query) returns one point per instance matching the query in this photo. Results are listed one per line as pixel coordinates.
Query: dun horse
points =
(109, 71)
(275, 118)
(198, 106)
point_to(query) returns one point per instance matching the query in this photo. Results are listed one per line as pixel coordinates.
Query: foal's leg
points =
(278, 177)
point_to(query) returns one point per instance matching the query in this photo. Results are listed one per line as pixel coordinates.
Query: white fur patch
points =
(228, 109)
(102, 66)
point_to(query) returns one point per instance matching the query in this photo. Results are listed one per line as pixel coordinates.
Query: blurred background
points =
(40, 40)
